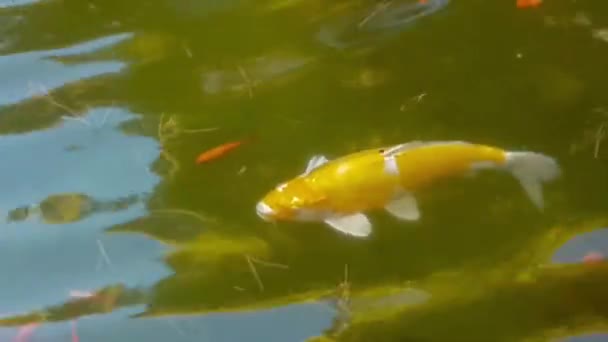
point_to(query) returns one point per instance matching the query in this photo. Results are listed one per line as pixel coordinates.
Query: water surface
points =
(111, 232)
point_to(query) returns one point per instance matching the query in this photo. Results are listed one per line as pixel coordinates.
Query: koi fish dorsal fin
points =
(397, 149)
(394, 150)
(315, 162)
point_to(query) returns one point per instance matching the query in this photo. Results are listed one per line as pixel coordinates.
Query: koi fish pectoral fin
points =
(355, 224)
(404, 207)
(315, 162)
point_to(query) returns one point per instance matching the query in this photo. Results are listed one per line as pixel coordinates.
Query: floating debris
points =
(593, 135)
(65, 208)
(581, 19)
(103, 253)
(69, 207)
(255, 274)
(249, 75)
(373, 24)
(366, 78)
(601, 34)
(600, 135)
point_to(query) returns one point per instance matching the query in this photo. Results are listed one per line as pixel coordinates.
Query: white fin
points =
(315, 162)
(390, 166)
(532, 169)
(404, 207)
(355, 224)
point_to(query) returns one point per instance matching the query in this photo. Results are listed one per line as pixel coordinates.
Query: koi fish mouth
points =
(264, 211)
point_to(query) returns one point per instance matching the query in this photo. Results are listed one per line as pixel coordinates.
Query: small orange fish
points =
(218, 151)
(528, 3)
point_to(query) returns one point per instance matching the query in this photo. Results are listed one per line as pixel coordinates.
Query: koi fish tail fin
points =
(532, 169)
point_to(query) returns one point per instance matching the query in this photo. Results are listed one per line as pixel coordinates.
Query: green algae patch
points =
(169, 226)
(211, 249)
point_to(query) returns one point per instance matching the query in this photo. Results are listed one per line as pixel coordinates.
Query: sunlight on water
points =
(11, 3)
(46, 74)
(107, 165)
(582, 245)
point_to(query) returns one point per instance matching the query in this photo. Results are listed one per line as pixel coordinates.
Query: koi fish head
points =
(293, 200)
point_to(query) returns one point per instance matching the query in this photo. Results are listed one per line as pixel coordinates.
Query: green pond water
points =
(111, 232)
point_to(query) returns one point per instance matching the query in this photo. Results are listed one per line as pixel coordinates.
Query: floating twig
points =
(201, 130)
(416, 98)
(168, 125)
(255, 273)
(599, 136)
(106, 115)
(163, 137)
(102, 250)
(344, 291)
(269, 264)
(176, 327)
(420, 97)
(187, 50)
(343, 317)
(81, 120)
(346, 273)
(380, 7)
(62, 106)
(43, 92)
(247, 80)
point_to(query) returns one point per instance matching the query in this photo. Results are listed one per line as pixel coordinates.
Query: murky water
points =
(111, 232)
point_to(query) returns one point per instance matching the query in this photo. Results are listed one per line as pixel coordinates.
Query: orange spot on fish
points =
(218, 151)
(528, 3)
(422, 1)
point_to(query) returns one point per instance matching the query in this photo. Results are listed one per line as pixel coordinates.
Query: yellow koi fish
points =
(337, 192)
